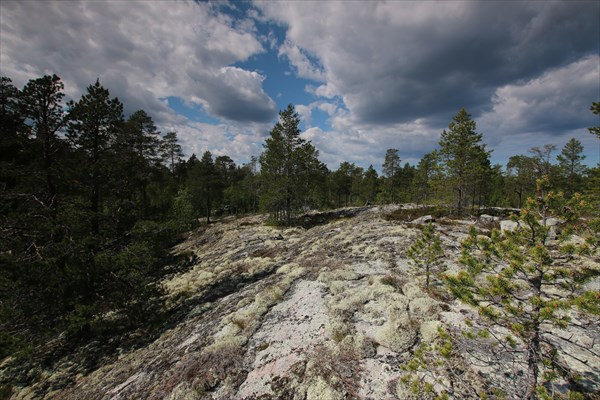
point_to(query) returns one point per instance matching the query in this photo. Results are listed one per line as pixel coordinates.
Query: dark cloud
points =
(398, 61)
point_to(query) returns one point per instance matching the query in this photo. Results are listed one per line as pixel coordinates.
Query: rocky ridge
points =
(330, 311)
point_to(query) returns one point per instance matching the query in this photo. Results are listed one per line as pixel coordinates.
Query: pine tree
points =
(463, 157)
(287, 165)
(520, 172)
(370, 185)
(570, 166)
(93, 125)
(138, 147)
(11, 118)
(426, 254)
(41, 105)
(422, 184)
(519, 281)
(204, 184)
(341, 183)
(171, 150)
(391, 170)
(541, 160)
(595, 109)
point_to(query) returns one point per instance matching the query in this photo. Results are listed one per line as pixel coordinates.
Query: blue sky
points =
(364, 76)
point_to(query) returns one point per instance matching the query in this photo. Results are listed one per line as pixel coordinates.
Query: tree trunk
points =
(95, 203)
(48, 164)
(288, 210)
(533, 357)
(534, 348)
(460, 199)
(208, 206)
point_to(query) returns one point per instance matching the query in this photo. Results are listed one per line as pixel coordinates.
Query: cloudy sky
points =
(365, 76)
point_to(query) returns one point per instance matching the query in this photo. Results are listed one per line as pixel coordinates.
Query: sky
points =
(364, 76)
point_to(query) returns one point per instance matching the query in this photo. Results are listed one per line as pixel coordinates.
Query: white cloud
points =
(544, 110)
(305, 68)
(305, 114)
(366, 144)
(141, 51)
(240, 142)
(550, 103)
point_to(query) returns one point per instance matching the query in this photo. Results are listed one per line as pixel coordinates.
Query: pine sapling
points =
(426, 254)
(525, 282)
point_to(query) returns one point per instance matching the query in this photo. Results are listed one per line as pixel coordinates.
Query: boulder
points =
(425, 219)
(488, 219)
(552, 221)
(508, 226)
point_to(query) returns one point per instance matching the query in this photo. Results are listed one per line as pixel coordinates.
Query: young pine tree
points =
(427, 254)
(529, 284)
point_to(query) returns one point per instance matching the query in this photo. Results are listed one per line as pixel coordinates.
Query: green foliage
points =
(570, 167)
(289, 168)
(391, 170)
(85, 224)
(171, 151)
(595, 109)
(182, 209)
(409, 214)
(205, 185)
(437, 370)
(518, 280)
(424, 177)
(465, 160)
(427, 255)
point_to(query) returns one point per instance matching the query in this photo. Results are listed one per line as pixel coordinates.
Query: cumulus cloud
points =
(238, 141)
(299, 59)
(555, 102)
(402, 70)
(235, 94)
(365, 144)
(141, 51)
(398, 61)
(550, 108)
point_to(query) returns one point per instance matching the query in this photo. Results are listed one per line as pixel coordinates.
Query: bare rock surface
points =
(326, 310)
(288, 333)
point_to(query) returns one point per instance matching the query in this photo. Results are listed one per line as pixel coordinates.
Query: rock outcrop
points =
(326, 311)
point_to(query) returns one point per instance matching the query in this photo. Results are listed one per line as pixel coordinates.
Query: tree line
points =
(91, 199)
(458, 174)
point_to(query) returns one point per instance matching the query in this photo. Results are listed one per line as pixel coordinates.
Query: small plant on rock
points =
(426, 254)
